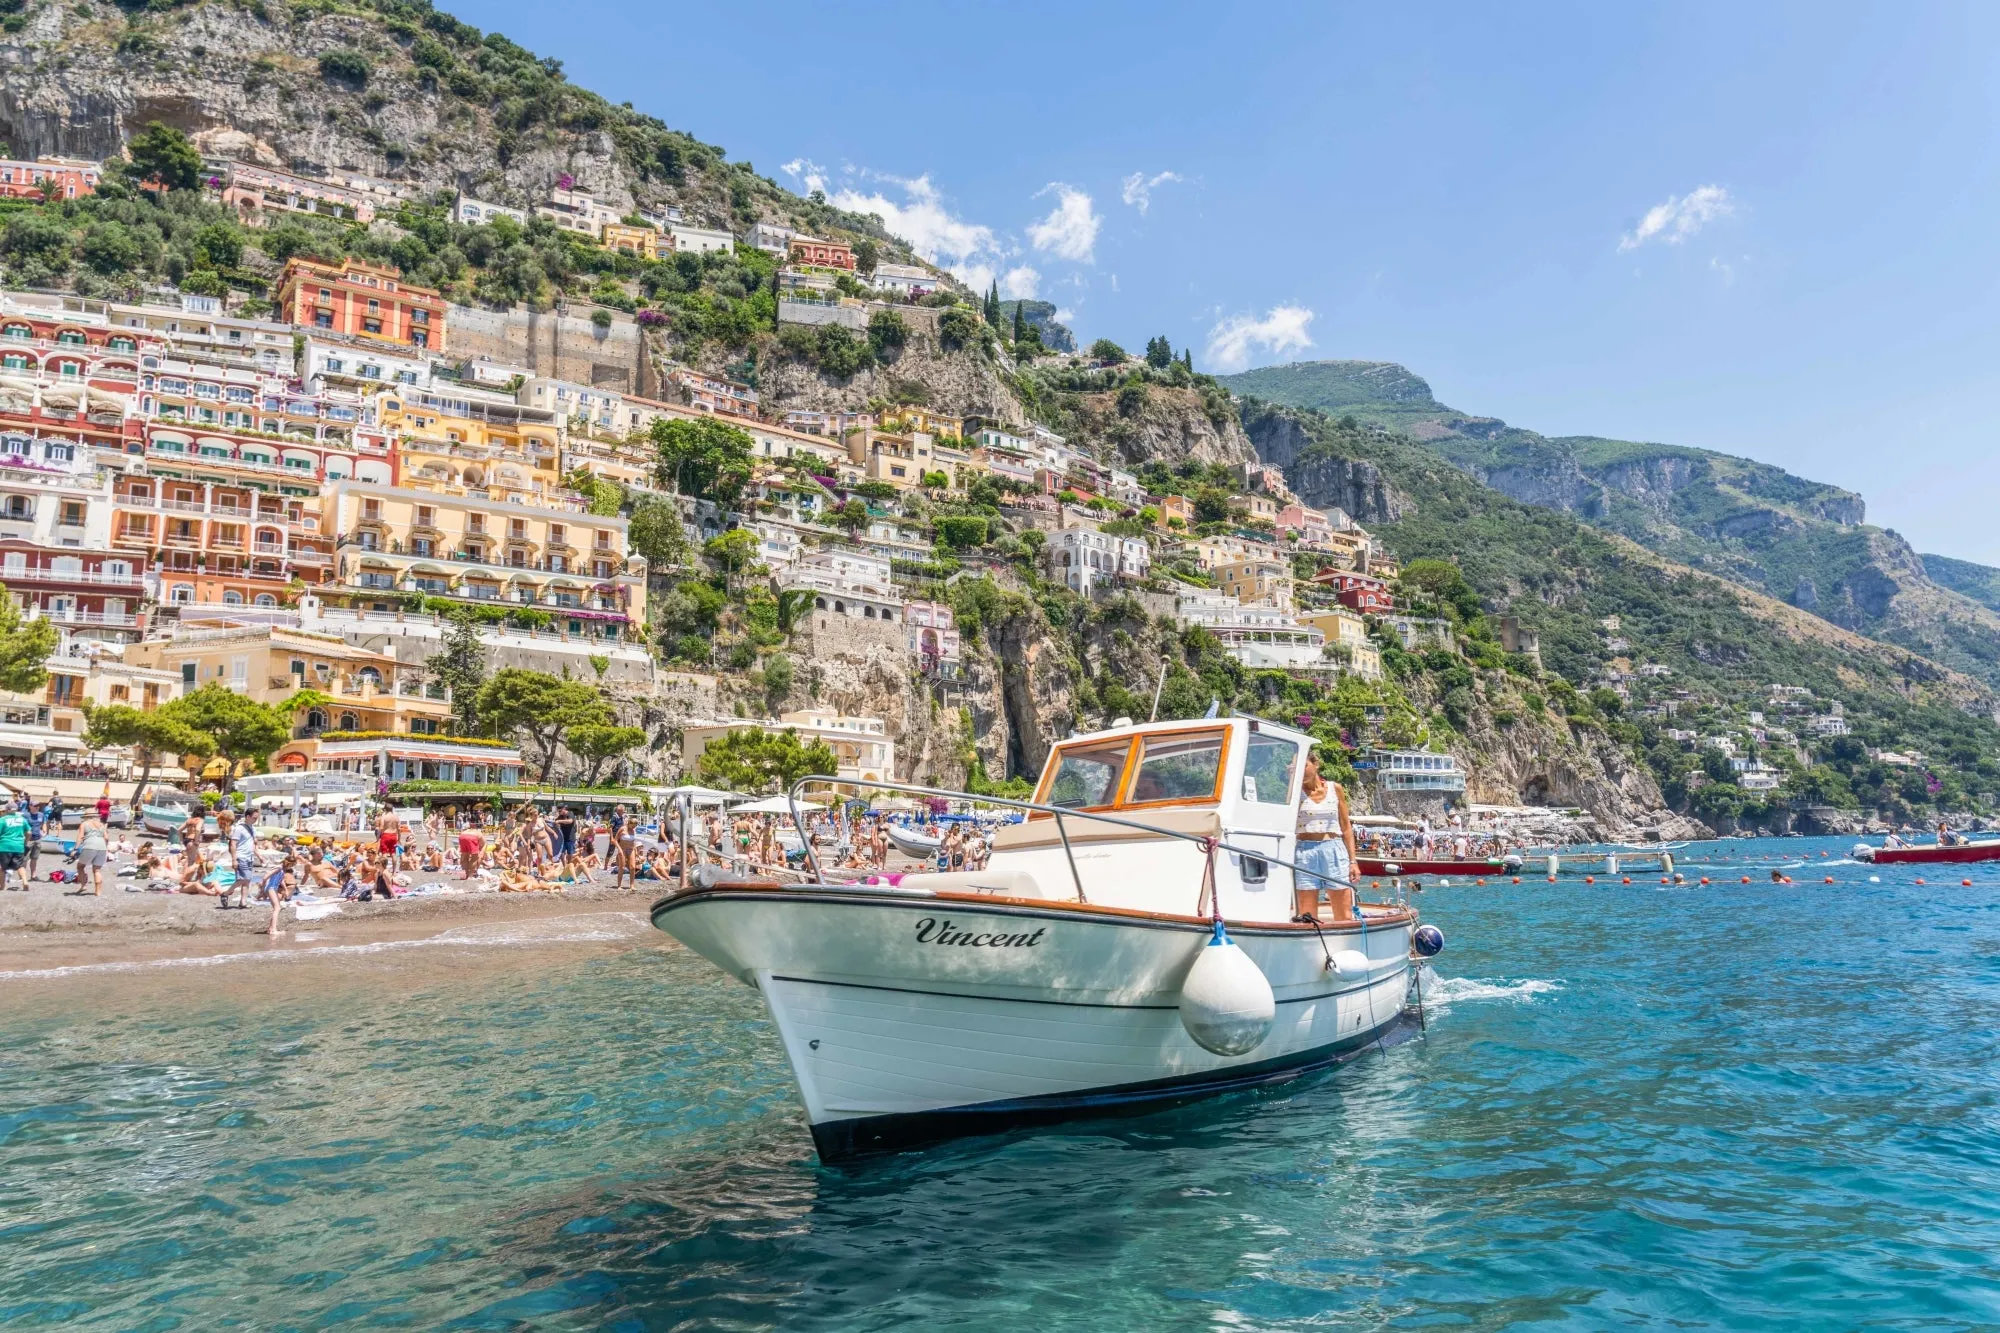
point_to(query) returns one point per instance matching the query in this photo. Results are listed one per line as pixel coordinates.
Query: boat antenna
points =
(1155, 716)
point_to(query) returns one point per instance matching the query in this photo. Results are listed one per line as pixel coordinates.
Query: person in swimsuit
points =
(389, 837)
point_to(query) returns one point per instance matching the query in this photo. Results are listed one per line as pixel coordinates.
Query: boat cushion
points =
(1005, 883)
(1042, 832)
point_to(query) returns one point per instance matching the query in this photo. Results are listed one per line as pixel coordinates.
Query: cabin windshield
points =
(1162, 768)
(1267, 769)
(1177, 768)
(1088, 775)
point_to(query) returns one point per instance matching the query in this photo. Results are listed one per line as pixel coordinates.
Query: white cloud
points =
(1139, 187)
(1282, 329)
(1680, 217)
(1065, 316)
(1070, 230)
(1020, 284)
(979, 277)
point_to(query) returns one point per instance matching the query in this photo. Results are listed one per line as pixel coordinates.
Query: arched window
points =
(182, 594)
(840, 607)
(231, 597)
(819, 603)
(316, 719)
(347, 722)
(266, 599)
(868, 612)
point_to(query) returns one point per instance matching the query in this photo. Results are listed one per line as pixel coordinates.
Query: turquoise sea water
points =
(1739, 1106)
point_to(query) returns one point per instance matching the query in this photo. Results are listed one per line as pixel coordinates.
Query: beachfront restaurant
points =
(401, 757)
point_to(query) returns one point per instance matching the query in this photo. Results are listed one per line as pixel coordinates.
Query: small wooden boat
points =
(1963, 853)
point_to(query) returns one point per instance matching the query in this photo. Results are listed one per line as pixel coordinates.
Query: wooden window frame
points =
(1129, 770)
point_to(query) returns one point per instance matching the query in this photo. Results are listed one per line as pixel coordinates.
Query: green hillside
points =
(1723, 645)
(1801, 541)
(1979, 582)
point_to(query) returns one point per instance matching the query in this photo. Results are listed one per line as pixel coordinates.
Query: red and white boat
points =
(1384, 867)
(1136, 942)
(1962, 853)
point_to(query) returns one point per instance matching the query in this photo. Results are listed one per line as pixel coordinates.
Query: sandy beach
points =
(50, 927)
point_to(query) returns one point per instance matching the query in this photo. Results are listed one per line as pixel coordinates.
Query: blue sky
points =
(1767, 229)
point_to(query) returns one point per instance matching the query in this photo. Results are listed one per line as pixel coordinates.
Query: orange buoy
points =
(1552, 879)
(1663, 879)
(1829, 879)
(1746, 879)
(1704, 879)
(1517, 879)
(1920, 881)
(1590, 879)
(1628, 879)
(1966, 882)
(1480, 882)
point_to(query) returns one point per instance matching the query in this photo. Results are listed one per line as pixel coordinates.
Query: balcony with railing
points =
(95, 578)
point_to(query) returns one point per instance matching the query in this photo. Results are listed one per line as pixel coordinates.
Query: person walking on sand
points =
(239, 844)
(91, 850)
(389, 838)
(13, 845)
(623, 846)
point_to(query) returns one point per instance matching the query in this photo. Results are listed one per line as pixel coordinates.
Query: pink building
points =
(71, 177)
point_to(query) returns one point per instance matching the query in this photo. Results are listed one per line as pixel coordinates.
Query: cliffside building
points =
(361, 300)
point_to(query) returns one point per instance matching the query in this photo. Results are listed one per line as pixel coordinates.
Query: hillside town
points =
(295, 493)
(297, 498)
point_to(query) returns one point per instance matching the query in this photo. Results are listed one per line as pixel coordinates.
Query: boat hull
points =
(909, 1018)
(1963, 855)
(1368, 865)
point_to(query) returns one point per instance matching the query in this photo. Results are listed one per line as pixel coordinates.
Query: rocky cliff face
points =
(961, 383)
(1757, 525)
(244, 81)
(1323, 480)
(1171, 426)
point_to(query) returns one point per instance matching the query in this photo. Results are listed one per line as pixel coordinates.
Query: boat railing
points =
(1060, 813)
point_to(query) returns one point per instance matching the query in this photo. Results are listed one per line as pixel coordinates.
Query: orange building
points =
(360, 299)
(822, 254)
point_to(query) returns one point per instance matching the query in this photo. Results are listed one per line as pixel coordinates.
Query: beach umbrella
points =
(773, 805)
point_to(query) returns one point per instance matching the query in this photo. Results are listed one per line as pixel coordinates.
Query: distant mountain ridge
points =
(1801, 541)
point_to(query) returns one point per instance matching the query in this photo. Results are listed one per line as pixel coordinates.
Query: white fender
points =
(1226, 1001)
(1351, 965)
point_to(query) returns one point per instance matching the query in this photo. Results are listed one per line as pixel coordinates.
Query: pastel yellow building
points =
(1257, 582)
(499, 450)
(641, 241)
(1347, 634)
(911, 420)
(556, 557)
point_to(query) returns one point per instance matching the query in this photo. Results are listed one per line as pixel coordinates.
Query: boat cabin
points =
(1237, 778)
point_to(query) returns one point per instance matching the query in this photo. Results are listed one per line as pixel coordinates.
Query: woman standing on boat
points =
(1326, 842)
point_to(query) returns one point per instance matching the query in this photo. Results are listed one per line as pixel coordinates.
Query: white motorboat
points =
(913, 842)
(1137, 941)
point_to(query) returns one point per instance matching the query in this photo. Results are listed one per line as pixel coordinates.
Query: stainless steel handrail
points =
(1059, 812)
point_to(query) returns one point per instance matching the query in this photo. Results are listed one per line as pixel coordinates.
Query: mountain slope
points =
(1800, 541)
(1724, 645)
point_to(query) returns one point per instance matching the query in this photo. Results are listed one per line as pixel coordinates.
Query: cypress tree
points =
(1020, 332)
(1187, 358)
